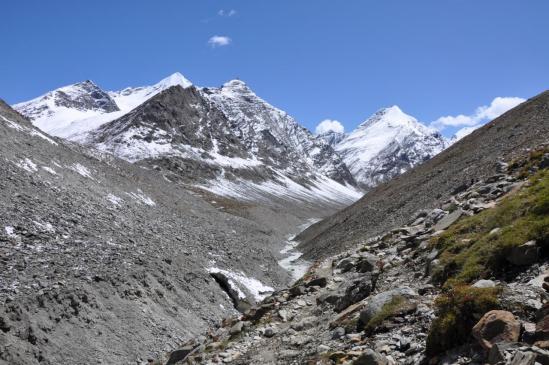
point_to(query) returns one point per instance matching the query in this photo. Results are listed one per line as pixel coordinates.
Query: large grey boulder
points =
(448, 220)
(355, 291)
(376, 303)
(525, 254)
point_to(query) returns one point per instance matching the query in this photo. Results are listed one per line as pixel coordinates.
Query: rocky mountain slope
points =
(387, 144)
(236, 144)
(463, 283)
(105, 260)
(471, 159)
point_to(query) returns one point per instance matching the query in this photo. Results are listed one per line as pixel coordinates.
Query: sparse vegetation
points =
(390, 309)
(471, 250)
(458, 310)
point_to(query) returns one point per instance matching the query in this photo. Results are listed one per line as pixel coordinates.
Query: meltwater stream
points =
(292, 260)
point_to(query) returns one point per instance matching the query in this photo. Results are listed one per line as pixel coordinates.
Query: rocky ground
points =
(107, 262)
(376, 303)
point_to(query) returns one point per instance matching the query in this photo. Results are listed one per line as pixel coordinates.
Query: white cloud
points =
(329, 125)
(228, 13)
(466, 131)
(219, 41)
(482, 114)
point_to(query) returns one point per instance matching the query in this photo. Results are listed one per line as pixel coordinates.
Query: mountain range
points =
(245, 147)
(166, 221)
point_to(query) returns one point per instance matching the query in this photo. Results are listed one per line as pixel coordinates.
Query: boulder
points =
(255, 314)
(375, 304)
(345, 264)
(322, 282)
(270, 332)
(496, 326)
(355, 291)
(297, 290)
(484, 284)
(525, 254)
(181, 354)
(337, 333)
(367, 263)
(370, 357)
(448, 220)
(236, 328)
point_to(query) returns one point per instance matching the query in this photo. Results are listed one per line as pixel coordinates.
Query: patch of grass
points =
(469, 251)
(389, 309)
(458, 310)
(524, 166)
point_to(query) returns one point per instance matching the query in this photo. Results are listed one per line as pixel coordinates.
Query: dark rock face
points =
(90, 97)
(193, 135)
(275, 136)
(471, 159)
(81, 96)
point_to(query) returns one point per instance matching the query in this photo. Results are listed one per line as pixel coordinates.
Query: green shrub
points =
(458, 310)
(468, 251)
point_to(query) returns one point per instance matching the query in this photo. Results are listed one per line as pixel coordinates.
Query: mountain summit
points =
(387, 144)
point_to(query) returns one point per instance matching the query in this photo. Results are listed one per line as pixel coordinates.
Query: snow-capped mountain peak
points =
(387, 144)
(72, 111)
(131, 97)
(392, 116)
(174, 80)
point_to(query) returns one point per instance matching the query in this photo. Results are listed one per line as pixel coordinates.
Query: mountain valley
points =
(178, 224)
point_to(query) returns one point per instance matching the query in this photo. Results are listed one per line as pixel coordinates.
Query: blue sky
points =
(316, 59)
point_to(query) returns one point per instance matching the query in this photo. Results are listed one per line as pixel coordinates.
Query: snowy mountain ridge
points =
(231, 132)
(72, 111)
(387, 144)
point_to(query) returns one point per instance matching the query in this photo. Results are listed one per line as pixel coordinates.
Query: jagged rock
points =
(328, 298)
(376, 303)
(370, 357)
(236, 328)
(523, 358)
(297, 290)
(501, 351)
(181, 354)
(355, 291)
(345, 264)
(367, 263)
(448, 220)
(525, 254)
(341, 317)
(256, 313)
(321, 282)
(496, 326)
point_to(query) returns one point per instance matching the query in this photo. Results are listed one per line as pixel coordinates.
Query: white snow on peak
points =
(173, 80)
(387, 129)
(131, 97)
(377, 132)
(74, 123)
